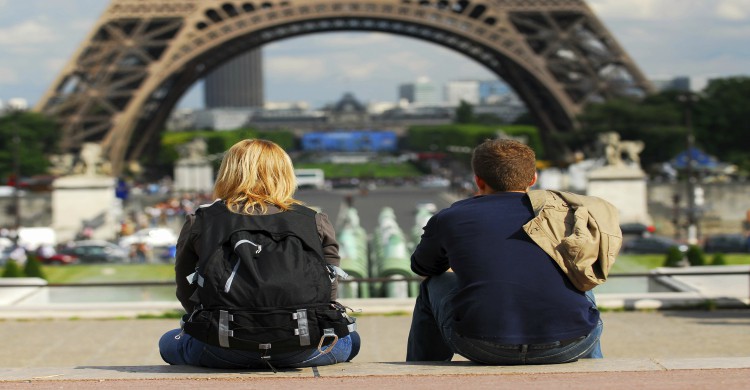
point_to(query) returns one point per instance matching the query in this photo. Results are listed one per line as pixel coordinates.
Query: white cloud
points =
(55, 65)
(8, 75)
(661, 10)
(737, 10)
(357, 40)
(296, 68)
(359, 71)
(410, 63)
(635, 9)
(29, 32)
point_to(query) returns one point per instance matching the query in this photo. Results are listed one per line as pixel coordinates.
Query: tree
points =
(12, 270)
(719, 259)
(657, 120)
(695, 255)
(673, 257)
(722, 122)
(464, 113)
(33, 268)
(38, 137)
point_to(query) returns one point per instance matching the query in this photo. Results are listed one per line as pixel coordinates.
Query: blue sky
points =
(697, 38)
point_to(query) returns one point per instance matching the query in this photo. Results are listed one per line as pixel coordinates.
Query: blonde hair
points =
(255, 173)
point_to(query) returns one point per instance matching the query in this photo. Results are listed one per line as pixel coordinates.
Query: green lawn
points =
(102, 273)
(645, 263)
(636, 263)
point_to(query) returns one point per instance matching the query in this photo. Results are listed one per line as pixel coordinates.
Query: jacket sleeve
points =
(330, 246)
(186, 260)
(429, 257)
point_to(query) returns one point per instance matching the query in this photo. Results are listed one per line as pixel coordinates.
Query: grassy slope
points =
(644, 263)
(109, 273)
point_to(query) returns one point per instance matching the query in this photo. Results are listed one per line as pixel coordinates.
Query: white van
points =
(310, 178)
(32, 238)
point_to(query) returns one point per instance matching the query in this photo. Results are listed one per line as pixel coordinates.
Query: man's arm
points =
(429, 258)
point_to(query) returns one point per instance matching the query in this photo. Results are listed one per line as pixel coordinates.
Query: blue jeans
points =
(186, 350)
(432, 337)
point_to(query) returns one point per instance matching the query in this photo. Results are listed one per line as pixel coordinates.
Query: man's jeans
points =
(186, 350)
(432, 337)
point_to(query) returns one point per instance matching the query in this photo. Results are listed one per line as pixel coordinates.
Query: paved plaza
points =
(654, 349)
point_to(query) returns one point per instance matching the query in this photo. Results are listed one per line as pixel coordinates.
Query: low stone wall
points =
(724, 210)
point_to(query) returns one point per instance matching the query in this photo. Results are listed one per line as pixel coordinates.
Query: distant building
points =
(181, 119)
(348, 111)
(456, 91)
(406, 92)
(423, 92)
(223, 118)
(507, 111)
(681, 84)
(236, 83)
(493, 91)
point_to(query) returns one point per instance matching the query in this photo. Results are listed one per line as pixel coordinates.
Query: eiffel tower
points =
(143, 55)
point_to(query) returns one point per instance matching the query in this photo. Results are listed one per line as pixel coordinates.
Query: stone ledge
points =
(386, 369)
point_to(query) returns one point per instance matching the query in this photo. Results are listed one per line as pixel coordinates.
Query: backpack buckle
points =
(326, 334)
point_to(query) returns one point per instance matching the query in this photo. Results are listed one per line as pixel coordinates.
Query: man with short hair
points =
(492, 294)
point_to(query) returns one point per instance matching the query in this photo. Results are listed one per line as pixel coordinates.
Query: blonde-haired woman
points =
(256, 177)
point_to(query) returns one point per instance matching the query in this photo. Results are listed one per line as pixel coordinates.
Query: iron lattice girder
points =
(143, 55)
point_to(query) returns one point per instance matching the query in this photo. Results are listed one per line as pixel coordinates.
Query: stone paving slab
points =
(129, 342)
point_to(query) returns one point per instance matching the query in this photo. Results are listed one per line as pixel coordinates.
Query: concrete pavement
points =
(642, 349)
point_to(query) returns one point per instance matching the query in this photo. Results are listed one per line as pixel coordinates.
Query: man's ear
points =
(533, 181)
(484, 188)
(481, 185)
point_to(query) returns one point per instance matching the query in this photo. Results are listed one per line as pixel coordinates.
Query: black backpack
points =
(265, 286)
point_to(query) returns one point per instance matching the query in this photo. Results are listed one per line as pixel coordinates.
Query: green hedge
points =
(440, 137)
(219, 141)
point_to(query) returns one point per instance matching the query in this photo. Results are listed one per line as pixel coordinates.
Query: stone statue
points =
(90, 161)
(632, 151)
(61, 164)
(610, 142)
(194, 150)
(614, 149)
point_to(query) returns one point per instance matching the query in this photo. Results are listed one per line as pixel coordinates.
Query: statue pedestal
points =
(84, 201)
(193, 176)
(624, 187)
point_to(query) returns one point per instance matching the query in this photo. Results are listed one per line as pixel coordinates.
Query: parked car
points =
(153, 237)
(635, 229)
(95, 251)
(651, 244)
(727, 243)
(59, 259)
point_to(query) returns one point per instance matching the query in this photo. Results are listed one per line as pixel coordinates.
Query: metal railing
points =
(8, 282)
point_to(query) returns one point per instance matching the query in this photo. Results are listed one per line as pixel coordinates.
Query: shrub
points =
(33, 268)
(674, 256)
(719, 259)
(695, 255)
(12, 270)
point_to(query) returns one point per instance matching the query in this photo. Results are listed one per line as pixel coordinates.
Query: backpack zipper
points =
(228, 285)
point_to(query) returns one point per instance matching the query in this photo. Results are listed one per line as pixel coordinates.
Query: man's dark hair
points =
(505, 165)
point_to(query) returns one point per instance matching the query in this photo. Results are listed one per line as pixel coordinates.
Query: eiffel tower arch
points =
(143, 55)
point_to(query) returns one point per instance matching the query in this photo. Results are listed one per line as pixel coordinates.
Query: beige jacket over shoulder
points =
(581, 233)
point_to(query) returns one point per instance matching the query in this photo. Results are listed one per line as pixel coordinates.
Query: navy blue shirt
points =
(509, 290)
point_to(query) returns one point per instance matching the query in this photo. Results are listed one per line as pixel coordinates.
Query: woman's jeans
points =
(432, 337)
(185, 350)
